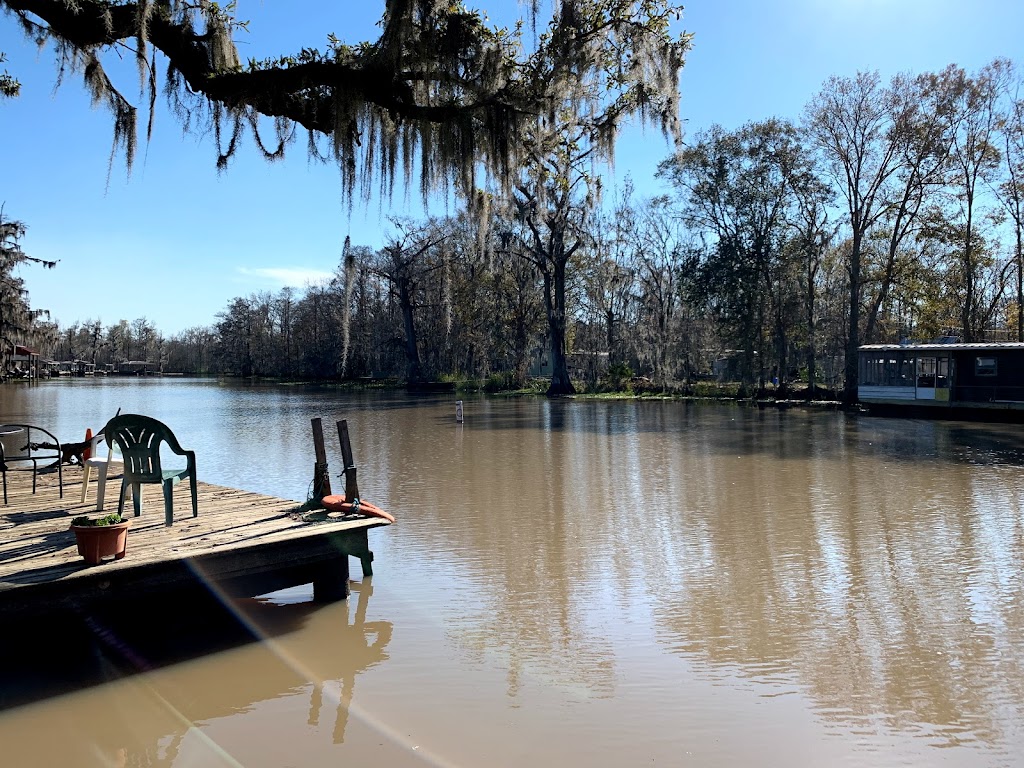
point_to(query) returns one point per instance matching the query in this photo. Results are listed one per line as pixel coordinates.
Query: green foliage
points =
(618, 379)
(503, 381)
(85, 520)
(9, 87)
(746, 193)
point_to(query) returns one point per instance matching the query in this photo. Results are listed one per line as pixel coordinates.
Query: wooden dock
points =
(241, 544)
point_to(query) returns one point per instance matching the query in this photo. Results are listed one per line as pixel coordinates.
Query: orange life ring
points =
(337, 503)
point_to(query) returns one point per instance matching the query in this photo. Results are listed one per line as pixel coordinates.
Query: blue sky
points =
(176, 241)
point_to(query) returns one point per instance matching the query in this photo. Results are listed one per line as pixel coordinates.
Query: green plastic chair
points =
(139, 439)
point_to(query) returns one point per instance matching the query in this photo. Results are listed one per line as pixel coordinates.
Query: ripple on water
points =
(626, 584)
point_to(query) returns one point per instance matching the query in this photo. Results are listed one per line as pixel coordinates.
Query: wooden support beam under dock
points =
(241, 544)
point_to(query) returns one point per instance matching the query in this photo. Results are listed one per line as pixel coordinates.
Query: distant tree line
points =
(890, 210)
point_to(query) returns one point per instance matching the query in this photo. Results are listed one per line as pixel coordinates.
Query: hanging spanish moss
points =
(440, 97)
(349, 262)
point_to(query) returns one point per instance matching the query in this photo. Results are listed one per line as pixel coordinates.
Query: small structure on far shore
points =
(22, 363)
(136, 368)
(951, 379)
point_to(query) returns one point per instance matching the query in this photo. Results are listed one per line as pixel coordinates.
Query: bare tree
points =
(1010, 188)
(969, 109)
(591, 97)
(919, 174)
(858, 125)
(405, 261)
(661, 250)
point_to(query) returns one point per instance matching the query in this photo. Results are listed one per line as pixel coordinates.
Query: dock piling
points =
(321, 478)
(348, 464)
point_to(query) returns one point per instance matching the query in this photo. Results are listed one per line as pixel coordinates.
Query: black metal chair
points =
(26, 446)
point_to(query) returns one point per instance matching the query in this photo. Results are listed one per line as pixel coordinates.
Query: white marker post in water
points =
(458, 411)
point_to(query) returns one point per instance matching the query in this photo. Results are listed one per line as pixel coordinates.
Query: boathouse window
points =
(878, 371)
(887, 370)
(985, 366)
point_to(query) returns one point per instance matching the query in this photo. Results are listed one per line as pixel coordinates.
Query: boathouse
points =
(24, 362)
(135, 368)
(952, 376)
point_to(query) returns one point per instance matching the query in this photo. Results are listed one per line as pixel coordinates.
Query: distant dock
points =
(242, 544)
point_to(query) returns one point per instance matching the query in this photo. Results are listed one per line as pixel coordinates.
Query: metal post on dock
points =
(348, 464)
(321, 479)
(352, 489)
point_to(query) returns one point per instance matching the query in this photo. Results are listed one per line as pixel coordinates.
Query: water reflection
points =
(891, 595)
(867, 567)
(163, 694)
(622, 583)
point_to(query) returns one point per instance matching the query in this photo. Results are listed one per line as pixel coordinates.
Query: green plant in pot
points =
(101, 538)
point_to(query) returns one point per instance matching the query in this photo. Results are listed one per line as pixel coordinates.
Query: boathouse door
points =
(932, 378)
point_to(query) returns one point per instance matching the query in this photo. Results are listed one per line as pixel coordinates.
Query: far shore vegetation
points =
(888, 211)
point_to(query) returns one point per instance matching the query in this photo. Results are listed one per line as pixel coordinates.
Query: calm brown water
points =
(586, 584)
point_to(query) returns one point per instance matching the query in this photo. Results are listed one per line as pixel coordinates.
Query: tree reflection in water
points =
(123, 696)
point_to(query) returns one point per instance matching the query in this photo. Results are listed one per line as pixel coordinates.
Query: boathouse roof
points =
(940, 347)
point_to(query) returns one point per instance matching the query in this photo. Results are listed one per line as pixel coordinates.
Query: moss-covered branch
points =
(439, 88)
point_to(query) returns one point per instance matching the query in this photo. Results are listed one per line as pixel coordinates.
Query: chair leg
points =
(120, 502)
(101, 486)
(60, 477)
(168, 502)
(5, 487)
(195, 496)
(86, 471)
(137, 498)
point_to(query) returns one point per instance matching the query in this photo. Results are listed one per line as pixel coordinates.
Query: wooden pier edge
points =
(241, 545)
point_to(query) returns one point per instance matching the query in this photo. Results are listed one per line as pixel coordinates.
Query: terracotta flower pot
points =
(99, 542)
